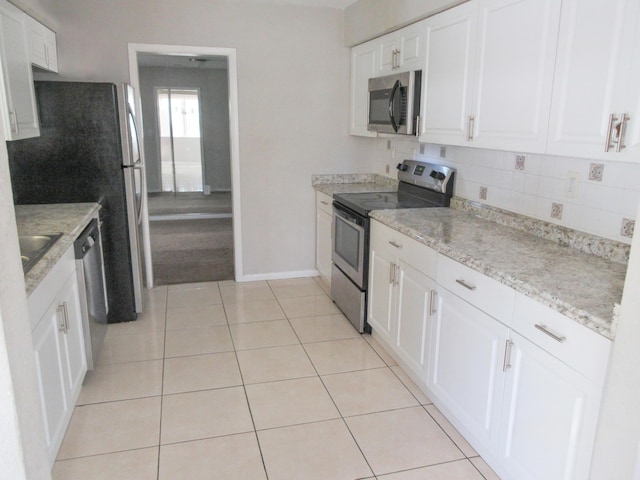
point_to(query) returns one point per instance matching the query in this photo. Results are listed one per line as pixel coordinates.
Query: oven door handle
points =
(347, 216)
(392, 97)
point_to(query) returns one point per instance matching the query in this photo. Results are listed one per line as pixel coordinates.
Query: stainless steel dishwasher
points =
(91, 282)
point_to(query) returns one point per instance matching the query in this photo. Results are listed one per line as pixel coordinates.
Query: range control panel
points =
(428, 175)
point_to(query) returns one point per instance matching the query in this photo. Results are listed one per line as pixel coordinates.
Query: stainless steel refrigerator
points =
(88, 151)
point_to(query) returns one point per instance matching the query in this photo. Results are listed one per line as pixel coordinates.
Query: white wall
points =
(293, 86)
(214, 103)
(599, 208)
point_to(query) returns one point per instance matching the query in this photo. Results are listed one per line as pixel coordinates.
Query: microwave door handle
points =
(391, 105)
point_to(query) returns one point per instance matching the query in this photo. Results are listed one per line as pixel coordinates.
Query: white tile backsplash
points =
(599, 206)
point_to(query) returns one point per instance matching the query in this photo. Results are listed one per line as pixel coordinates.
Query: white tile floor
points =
(254, 381)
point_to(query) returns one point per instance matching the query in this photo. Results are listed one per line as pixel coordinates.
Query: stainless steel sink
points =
(33, 247)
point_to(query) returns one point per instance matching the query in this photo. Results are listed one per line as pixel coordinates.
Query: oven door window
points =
(348, 243)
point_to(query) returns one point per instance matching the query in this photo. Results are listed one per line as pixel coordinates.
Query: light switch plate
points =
(571, 185)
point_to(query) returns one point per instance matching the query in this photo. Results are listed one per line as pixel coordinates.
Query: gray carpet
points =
(186, 251)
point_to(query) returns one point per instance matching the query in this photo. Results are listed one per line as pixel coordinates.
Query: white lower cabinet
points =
(59, 350)
(549, 417)
(402, 298)
(520, 381)
(467, 349)
(324, 241)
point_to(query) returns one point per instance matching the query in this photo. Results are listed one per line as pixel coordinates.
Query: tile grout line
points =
(164, 351)
(328, 393)
(244, 389)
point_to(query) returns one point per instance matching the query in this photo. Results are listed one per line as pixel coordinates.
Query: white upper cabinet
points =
(489, 74)
(402, 50)
(514, 73)
(42, 45)
(17, 99)
(594, 97)
(448, 75)
(363, 67)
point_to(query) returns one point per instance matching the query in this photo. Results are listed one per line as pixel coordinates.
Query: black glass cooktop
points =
(363, 203)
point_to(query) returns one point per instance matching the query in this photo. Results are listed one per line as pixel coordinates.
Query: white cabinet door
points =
(594, 54)
(514, 73)
(401, 51)
(381, 306)
(363, 67)
(323, 244)
(18, 100)
(466, 377)
(489, 74)
(416, 301)
(448, 75)
(50, 368)
(43, 51)
(550, 417)
(75, 358)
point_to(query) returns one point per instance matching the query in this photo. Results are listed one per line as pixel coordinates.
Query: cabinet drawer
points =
(399, 245)
(479, 290)
(324, 202)
(582, 349)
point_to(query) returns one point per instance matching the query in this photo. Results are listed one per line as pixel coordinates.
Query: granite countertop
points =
(353, 183)
(582, 286)
(70, 219)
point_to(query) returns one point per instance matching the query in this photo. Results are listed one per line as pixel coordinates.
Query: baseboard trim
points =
(257, 277)
(189, 216)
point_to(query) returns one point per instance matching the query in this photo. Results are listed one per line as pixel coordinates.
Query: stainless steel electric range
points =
(422, 185)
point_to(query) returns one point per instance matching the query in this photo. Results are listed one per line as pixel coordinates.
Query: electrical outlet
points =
(483, 193)
(443, 152)
(388, 144)
(571, 185)
(387, 168)
(421, 149)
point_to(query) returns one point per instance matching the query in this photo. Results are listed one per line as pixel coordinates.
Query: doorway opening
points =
(189, 110)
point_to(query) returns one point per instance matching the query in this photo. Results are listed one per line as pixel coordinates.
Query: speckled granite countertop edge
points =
(353, 183)
(68, 219)
(602, 326)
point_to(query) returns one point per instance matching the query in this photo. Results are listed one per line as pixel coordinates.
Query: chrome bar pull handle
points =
(394, 244)
(607, 144)
(433, 298)
(392, 273)
(622, 128)
(466, 285)
(546, 331)
(323, 202)
(65, 309)
(506, 365)
(62, 324)
(396, 276)
(470, 124)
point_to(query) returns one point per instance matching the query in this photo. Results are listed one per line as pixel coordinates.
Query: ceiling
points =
(341, 4)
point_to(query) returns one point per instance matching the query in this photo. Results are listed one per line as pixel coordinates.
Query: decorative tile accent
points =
(556, 210)
(628, 226)
(520, 160)
(596, 170)
(483, 193)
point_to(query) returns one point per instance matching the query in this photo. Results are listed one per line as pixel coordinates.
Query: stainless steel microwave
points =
(394, 103)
